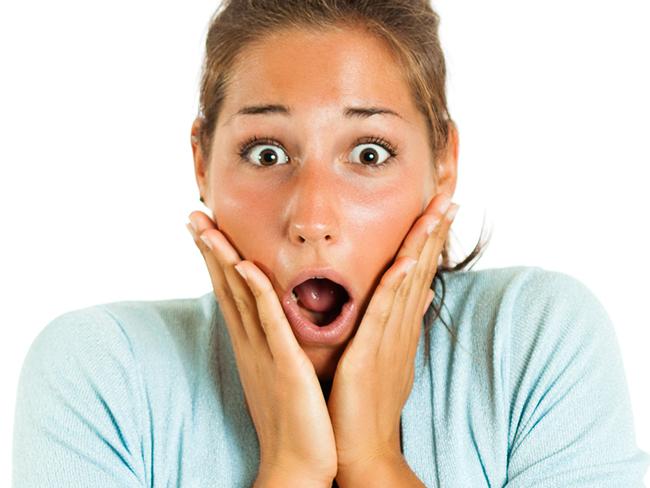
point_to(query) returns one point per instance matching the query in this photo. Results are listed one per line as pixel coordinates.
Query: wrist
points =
(275, 478)
(387, 471)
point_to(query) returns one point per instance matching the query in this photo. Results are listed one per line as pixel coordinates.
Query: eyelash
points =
(247, 145)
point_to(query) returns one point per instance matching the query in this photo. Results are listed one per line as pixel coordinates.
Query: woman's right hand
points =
(281, 388)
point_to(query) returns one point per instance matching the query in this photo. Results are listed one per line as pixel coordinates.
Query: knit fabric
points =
(529, 391)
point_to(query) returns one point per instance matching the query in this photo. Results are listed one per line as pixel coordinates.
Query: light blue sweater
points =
(146, 393)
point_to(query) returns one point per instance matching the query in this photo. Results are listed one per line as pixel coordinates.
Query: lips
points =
(306, 331)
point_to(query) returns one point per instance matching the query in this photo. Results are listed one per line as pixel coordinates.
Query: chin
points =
(324, 361)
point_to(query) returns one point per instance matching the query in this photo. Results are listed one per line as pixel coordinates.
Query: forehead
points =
(324, 70)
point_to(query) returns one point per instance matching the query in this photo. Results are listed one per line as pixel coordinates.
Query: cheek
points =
(385, 223)
(238, 211)
(389, 212)
(372, 221)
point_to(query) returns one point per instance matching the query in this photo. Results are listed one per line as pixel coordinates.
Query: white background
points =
(96, 178)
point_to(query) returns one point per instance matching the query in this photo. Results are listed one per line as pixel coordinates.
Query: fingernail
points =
(192, 224)
(190, 230)
(444, 204)
(431, 227)
(206, 241)
(241, 272)
(452, 211)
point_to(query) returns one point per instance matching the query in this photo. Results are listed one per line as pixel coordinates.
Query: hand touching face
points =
(320, 186)
(375, 374)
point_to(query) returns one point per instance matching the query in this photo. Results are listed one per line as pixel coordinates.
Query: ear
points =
(201, 166)
(447, 166)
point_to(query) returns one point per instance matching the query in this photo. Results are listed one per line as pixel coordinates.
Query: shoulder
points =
(530, 320)
(545, 356)
(525, 301)
(95, 380)
(124, 329)
(515, 281)
(122, 347)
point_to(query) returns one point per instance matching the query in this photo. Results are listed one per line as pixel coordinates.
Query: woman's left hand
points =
(375, 374)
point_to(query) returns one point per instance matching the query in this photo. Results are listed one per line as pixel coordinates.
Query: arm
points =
(570, 416)
(76, 418)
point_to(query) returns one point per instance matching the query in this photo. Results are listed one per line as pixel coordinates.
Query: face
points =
(314, 202)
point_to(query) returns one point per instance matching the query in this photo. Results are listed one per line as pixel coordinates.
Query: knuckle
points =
(394, 286)
(403, 291)
(421, 245)
(421, 272)
(383, 315)
(223, 290)
(266, 321)
(241, 304)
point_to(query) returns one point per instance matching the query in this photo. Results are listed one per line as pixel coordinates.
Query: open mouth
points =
(320, 300)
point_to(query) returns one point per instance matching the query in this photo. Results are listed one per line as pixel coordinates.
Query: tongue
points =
(318, 295)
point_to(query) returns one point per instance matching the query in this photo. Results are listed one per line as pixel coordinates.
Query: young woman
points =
(326, 154)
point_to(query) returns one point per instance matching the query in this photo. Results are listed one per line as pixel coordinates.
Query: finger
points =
(404, 328)
(231, 300)
(380, 307)
(282, 343)
(240, 292)
(222, 292)
(393, 338)
(394, 331)
(412, 248)
(430, 261)
(201, 221)
(427, 304)
(414, 242)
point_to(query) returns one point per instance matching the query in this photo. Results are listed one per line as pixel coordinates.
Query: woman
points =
(326, 154)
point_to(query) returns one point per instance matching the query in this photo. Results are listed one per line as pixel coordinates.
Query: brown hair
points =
(410, 27)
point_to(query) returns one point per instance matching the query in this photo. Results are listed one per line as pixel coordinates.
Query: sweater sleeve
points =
(570, 418)
(78, 408)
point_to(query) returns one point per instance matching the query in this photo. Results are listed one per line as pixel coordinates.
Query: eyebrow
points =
(349, 112)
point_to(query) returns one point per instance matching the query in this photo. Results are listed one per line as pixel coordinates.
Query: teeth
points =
(293, 295)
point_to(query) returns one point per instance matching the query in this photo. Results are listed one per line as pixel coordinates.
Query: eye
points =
(369, 156)
(261, 152)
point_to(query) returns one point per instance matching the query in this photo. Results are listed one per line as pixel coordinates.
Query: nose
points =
(312, 211)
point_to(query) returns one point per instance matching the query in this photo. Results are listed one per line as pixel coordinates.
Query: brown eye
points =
(266, 155)
(370, 154)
